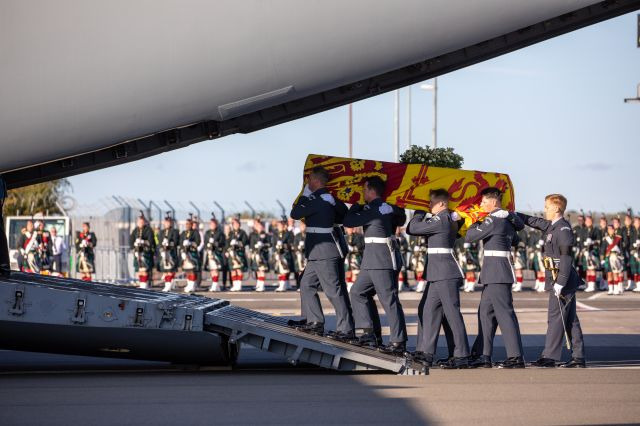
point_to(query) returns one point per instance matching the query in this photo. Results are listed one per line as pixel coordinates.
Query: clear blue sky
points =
(551, 116)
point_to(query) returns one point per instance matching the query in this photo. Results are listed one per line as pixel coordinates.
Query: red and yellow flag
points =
(408, 185)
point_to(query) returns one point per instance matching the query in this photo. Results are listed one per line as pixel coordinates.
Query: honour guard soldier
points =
(442, 298)
(562, 280)
(381, 263)
(403, 246)
(237, 242)
(169, 240)
(259, 244)
(282, 241)
(588, 258)
(29, 247)
(498, 234)
(214, 252)
(418, 248)
(634, 255)
(189, 242)
(325, 250)
(143, 244)
(300, 261)
(85, 244)
(45, 248)
(613, 261)
(628, 238)
(355, 247)
(537, 261)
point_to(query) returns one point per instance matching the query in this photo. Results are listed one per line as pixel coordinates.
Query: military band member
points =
(189, 255)
(282, 241)
(143, 244)
(381, 263)
(353, 259)
(519, 255)
(403, 246)
(259, 245)
(468, 260)
(418, 248)
(85, 244)
(325, 250)
(29, 247)
(44, 248)
(613, 261)
(579, 235)
(562, 280)
(442, 298)
(498, 234)
(628, 238)
(168, 242)
(300, 261)
(537, 262)
(588, 259)
(634, 255)
(235, 252)
(215, 241)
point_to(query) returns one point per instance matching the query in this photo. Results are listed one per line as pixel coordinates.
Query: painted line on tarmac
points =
(595, 296)
(586, 307)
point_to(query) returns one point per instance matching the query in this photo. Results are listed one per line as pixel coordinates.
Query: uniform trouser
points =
(448, 334)
(496, 309)
(555, 332)
(56, 263)
(443, 300)
(384, 283)
(325, 275)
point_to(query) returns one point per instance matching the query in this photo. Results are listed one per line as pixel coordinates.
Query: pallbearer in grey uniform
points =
(444, 275)
(497, 233)
(563, 281)
(324, 250)
(381, 263)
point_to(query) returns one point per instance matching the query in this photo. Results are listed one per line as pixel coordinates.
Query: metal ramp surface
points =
(272, 334)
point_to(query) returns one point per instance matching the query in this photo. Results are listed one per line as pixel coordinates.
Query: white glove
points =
(165, 242)
(557, 289)
(455, 216)
(328, 198)
(385, 208)
(466, 245)
(233, 242)
(186, 243)
(428, 216)
(502, 214)
(211, 240)
(306, 191)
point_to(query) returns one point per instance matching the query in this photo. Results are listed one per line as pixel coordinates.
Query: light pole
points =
(633, 100)
(434, 87)
(396, 127)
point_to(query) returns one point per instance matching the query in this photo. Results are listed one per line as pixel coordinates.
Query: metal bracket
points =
(17, 307)
(236, 336)
(168, 313)
(188, 321)
(80, 310)
(139, 318)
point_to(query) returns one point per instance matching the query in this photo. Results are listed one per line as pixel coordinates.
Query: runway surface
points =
(263, 389)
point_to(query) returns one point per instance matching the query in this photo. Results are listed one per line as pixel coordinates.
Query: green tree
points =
(436, 157)
(41, 197)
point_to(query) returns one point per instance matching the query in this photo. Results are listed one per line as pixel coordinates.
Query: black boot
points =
(367, 339)
(443, 361)
(316, 328)
(513, 362)
(394, 348)
(296, 323)
(419, 356)
(544, 363)
(574, 363)
(482, 361)
(341, 336)
(456, 364)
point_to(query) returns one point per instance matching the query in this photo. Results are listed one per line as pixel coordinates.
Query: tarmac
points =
(263, 389)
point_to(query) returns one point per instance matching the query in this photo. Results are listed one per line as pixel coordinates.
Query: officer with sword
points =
(563, 281)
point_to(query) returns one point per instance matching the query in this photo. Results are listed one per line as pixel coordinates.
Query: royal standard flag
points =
(408, 185)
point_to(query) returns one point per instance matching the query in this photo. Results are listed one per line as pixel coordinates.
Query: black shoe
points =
(443, 361)
(482, 361)
(544, 363)
(423, 358)
(341, 336)
(296, 323)
(513, 362)
(367, 340)
(394, 348)
(574, 363)
(316, 328)
(456, 364)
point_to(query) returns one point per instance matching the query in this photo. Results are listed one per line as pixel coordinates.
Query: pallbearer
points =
(168, 239)
(143, 244)
(562, 281)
